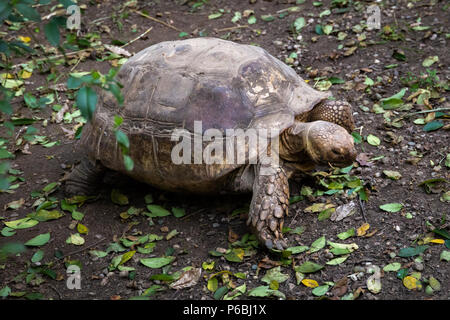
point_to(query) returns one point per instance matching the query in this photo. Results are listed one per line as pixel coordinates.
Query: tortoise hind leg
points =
(85, 178)
(269, 206)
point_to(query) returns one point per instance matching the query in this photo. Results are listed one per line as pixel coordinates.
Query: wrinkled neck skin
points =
(294, 148)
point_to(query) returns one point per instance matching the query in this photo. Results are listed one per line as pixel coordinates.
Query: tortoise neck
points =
(293, 142)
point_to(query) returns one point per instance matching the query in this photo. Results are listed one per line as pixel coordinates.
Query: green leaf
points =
(157, 262)
(410, 251)
(86, 102)
(299, 24)
(51, 31)
(4, 292)
(28, 12)
(128, 162)
(118, 198)
(178, 212)
(350, 246)
(265, 291)
(122, 139)
(220, 293)
(391, 207)
(347, 234)
(98, 253)
(395, 266)
(267, 18)
(37, 256)
(76, 215)
(317, 245)
(394, 101)
(5, 154)
(8, 232)
(21, 223)
(251, 20)
(337, 261)
(275, 274)
(39, 240)
(75, 239)
(373, 140)
(433, 125)
(214, 15)
(327, 29)
(320, 291)
(445, 255)
(11, 248)
(308, 267)
(183, 34)
(430, 60)
(44, 215)
(235, 255)
(297, 249)
(157, 211)
(394, 175)
(5, 107)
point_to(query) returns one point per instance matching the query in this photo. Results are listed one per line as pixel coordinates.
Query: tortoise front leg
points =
(84, 178)
(269, 205)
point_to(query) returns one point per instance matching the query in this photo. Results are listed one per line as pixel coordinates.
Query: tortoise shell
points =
(172, 84)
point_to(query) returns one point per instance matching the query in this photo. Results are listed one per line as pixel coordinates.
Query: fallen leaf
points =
(410, 282)
(373, 140)
(374, 282)
(157, 262)
(344, 211)
(361, 231)
(310, 283)
(336, 261)
(317, 244)
(320, 291)
(118, 198)
(391, 207)
(39, 240)
(394, 175)
(308, 267)
(265, 291)
(430, 61)
(274, 274)
(14, 204)
(75, 239)
(395, 266)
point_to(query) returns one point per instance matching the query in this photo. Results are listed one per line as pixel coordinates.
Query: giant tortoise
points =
(213, 95)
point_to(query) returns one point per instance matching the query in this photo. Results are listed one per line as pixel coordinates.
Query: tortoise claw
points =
(269, 244)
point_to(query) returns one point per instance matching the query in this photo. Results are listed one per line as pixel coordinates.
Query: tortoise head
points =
(326, 142)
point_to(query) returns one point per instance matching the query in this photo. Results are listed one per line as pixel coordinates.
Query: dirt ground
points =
(364, 66)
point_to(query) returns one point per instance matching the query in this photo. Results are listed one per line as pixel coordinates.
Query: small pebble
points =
(418, 266)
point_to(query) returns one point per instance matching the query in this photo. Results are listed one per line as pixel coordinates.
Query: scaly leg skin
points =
(269, 205)
(335, 111)
(84, 178)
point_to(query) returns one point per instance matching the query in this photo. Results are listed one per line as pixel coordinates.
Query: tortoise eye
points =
(335, 151)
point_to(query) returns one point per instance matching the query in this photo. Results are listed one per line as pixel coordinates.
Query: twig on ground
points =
(361, 205)
(231, 28)
(157, 20)
(138, 37)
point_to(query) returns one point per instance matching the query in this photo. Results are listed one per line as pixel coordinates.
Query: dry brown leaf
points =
(187, 279)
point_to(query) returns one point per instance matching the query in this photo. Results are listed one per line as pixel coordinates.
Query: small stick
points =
(362, 208)
(137, 38)
(231, 28)
(157, 20)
